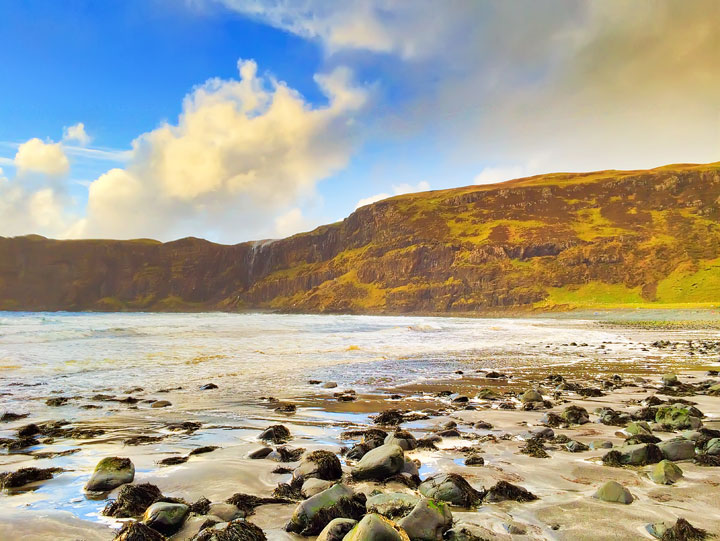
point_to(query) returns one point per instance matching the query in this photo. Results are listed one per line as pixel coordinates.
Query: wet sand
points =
(565, 482)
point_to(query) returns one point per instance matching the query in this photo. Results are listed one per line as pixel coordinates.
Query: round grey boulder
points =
(110, 473)
(380, 463)
(612, 491)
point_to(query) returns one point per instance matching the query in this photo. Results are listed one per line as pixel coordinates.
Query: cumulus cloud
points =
(588, 84)
(36, 156)
(241, 152)
(397, 189)
(77, 134)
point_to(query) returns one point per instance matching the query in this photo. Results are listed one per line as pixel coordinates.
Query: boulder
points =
(451, 488)
(165, 517)
(638, 427)
(275, 433)
(391, 505)
(110, 473)
(238, 530)
(380, 463)
(376, 528)
(25, 476)
(575, 446)
(262, 452)
(428, 521)
(531, 396)
(713, 447)
(403, 439)
(575, 415)
(315, 486)
(137, 531)
(319, 464)
(665, 472)
(678, 449)
(226, 512)
(337, 529)
(507, 491)
(132, 501)
(612, 491)
(676, 417)
(313, 514)
(640, 454)
(669, 379)
(160, 404)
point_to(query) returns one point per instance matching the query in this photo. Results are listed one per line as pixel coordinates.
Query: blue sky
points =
(257, 119)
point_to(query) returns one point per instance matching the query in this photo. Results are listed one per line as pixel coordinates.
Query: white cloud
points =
(292, 222)
(36, 156)
(241, 152)
(398, 189)
(76, 133)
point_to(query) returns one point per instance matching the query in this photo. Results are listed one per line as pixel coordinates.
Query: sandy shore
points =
(564, 483)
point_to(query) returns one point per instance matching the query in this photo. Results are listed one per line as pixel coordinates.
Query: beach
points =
(153, 387)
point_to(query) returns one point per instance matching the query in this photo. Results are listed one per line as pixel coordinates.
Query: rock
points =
(487, 394)
(428, 521)
(137, 531)
(712, 447)
(329, 385)
(482, 425)
(468, 532)
(319, 464)
(389, 418)
(534, 448)
(238, 530)
(531, 396)
(506, 491)
(203, 450)
(391, 505)
(208, 387)
(380, 463)
(110, 473)
(451, 488)
(133, 501)
(313, 514)
(227, 512)
(575, 446)
(682, 530)
(173, 460)
(600, 444)
(160, 404)
(336, 529)
(639, 427)
(165, 517)
(315, 486)
(665, 472)
(612, 491)
(474, 460)
(669, 379)
(553, 419)
(57, 401)
(678, 449)
(260, 453)
(9, 416)
(376, 528)
(640, 454)
(403, 439)
(25, 476)
(677, 418)
(575, 415)
(275, 433)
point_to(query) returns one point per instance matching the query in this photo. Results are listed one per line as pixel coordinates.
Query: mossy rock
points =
(391, 505)
(666, 472)
(313, 514)
(428, 521)
(614, 492)
(380, 463)
(166, 517)
(677, 418)
(110, 473)
(451, 488)
(376, 528)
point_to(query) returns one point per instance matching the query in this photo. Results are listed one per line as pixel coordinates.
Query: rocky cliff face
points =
(554, 241)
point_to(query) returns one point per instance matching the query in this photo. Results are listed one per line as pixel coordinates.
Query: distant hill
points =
(549, 242)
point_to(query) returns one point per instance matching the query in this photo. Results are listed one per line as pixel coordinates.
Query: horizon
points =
(232, 120)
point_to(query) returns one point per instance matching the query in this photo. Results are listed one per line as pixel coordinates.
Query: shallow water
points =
(250, 356)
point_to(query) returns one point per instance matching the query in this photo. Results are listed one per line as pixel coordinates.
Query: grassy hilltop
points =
(608, 239)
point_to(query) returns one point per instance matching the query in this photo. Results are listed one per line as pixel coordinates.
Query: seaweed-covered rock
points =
(612, 491)
(262, 452)
(313, 514)
(507, 491)
(247, 502)
(531, 395)
(376, 528)
(534, 448)
(391, 505)
(575, 446)
(238, 530)
(336, 529)
(676, 417)
(319, 464)
(474, 460)
(390, 417)
(682, 530)
(110, 473)
(451, 488)
(403, 439)
(428, 521)
(640, 455)
(137, 531)
(666, 472)
(380, 463)
(166, 517)
(133, 501)
(25, 476)
(275, 433)
(575, 415)
(712, 447)
(638, 427)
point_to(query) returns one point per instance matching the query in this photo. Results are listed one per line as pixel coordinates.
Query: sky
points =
(238, 120)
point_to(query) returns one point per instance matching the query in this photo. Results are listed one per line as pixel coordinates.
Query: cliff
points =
(609, 238)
